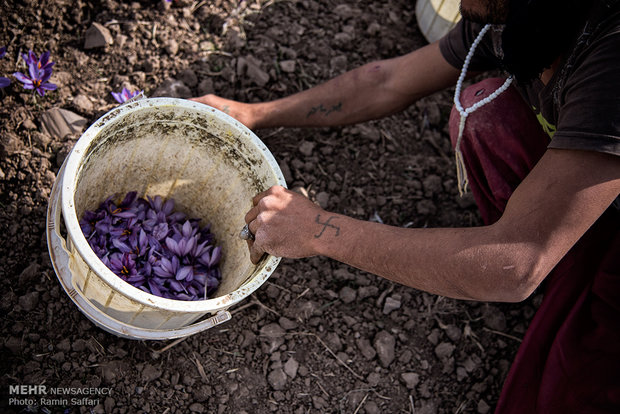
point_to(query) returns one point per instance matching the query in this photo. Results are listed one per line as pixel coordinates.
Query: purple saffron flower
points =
(41, 63)
(167, 268)
(123, 265)
(185, 273)
(181, 247)
(38, 79)
(2, 51)
(124, 95)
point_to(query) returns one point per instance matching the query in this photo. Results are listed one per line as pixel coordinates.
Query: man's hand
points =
(284, 224)
(242, 112)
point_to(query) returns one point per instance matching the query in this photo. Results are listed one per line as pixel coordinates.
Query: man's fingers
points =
(253, 226)
(251, 215)
(255, 254)
(259, 196)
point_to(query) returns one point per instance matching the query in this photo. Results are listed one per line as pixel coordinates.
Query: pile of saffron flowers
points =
(152, 247)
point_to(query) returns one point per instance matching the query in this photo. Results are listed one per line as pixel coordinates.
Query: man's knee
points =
(486, 115)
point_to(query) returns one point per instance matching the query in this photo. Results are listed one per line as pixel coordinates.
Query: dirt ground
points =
(318, 336)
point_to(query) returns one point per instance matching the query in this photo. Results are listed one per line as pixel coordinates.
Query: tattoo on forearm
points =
(226, 109)
(325, 111)
(326, 224)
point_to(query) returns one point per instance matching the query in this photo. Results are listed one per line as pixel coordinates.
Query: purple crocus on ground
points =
(124, 95)
(149, 245)
(4, 82)
(39, 72)
(42, 63)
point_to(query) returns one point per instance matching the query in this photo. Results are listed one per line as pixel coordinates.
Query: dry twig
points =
(502, 334)
(361, 403)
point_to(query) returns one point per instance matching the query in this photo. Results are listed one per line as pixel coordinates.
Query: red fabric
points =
(569, 360)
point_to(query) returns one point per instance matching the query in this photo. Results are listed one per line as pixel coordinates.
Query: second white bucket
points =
(437, 17)
(212, 166)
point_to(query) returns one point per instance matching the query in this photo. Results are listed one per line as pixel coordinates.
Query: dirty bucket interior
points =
(178, 153)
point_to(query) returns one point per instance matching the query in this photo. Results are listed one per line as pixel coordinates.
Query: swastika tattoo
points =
(326, 224)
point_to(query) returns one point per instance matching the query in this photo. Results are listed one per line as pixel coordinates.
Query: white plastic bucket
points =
(207, 161)
(437, 17)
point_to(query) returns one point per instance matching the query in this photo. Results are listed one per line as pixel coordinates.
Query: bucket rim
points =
(73, 165)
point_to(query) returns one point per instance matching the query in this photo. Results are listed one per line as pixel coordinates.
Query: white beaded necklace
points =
(461, 173)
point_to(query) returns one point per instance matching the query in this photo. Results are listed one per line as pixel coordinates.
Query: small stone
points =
(453, 332)
(338, 64)
(347, 294)
(272, 330)
(494, 318)
(433, 337)
(306, 148)
(367, 291)
(59, 123)
(391, 304)
(411, 379)
(79, 345)
(287, 66)
(323, 199)
(287, 323)
(483, 407)
(97, 36)
(82, 103)
(197, 408)
(290, 367)
(64, 345)
(10, 144)
(470, 364)
(109, 404)
(272, 336)
(14, 345)
(374, 378)
(150, 373)
(444, 350)
(29, 274)
(58, 357)
(277, 379)
(385, 344)
(249, 67)
(29, 301)
(286, 171)
(371, 407)
(172, 47)
(367, 350)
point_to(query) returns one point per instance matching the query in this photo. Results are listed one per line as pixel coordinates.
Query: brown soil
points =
(319, 336)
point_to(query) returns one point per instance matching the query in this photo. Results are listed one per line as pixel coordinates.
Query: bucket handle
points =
(61, 257)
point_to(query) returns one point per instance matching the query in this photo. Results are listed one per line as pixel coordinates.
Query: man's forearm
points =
(352, 97)
(463, 263)
(369, 92)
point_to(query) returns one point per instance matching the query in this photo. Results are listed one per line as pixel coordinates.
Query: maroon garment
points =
(569, 360)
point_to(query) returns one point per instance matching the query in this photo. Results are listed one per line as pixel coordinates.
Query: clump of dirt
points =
(318, 336)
